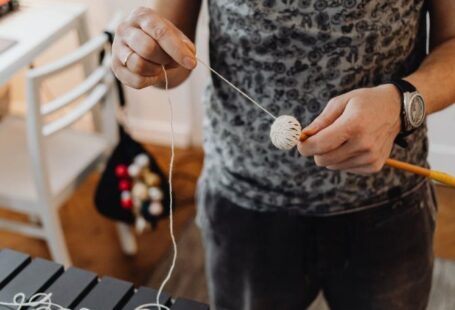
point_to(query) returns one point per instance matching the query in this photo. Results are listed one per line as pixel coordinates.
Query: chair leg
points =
(55, 238)
(127, 239)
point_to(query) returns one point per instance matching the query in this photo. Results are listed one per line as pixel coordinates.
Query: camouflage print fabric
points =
(292, 56)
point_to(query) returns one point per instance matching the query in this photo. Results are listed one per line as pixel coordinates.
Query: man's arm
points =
(352, 136)
(150, 38)
(435, 79)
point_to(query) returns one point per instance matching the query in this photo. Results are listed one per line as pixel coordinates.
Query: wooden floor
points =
(102, 254)
(445, 228)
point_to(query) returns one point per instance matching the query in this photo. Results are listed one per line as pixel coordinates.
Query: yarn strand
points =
(237, 89)
(171, 211)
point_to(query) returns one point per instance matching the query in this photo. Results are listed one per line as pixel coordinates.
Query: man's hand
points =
(356, 130)
(147, 41)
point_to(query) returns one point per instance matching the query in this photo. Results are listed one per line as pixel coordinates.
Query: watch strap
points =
(403, 86)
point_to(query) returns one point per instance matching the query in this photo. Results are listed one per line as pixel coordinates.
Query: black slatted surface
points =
(11, 263)
(34, 278)
(108, 294)
(75, 288)
(185, 304)
(146, 295)
(71, 287)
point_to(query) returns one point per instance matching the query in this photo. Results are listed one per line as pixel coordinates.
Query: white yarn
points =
(43, 301)
(39, 301)
(237, 89)
(285, 132)
(171, 211)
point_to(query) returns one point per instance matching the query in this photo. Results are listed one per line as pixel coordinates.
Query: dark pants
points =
(379, 258)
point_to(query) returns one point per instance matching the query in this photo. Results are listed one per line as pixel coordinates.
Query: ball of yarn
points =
(156, 208)
(155, 194)
(140, 191)
(141, 160)
(134, 170)
(285, 132)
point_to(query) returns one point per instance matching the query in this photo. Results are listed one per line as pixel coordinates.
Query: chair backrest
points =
(84, 98)
(94, 87)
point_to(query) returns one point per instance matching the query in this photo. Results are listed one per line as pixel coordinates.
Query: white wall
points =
(442, 140)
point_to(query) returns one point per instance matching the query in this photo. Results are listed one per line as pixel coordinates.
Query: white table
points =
(35, 27)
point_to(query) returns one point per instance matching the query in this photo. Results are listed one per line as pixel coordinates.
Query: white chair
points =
(37, 179)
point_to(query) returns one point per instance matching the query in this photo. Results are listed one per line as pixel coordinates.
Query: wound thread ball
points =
(126, 203)
(285, 132)
(156, 208)
(134, 170)
(121, 171)
(151, 179)
(140, 191)
(125, 195)
(142, 160)
(155, 194)
(124, 185)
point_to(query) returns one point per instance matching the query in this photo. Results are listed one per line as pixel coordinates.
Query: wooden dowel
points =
(408, 167)
(438, 176)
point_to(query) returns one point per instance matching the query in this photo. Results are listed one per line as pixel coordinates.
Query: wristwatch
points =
(412, 108)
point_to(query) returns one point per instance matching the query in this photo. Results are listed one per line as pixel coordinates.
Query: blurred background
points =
(55, 29)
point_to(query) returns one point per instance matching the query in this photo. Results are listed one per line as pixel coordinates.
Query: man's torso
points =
(292, 57)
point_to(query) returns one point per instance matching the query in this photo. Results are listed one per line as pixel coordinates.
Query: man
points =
(279, 227)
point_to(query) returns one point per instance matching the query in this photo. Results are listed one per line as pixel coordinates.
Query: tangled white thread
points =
(43, 301)
(40, 301)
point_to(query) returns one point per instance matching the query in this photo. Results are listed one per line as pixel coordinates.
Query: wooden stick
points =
(439, 176)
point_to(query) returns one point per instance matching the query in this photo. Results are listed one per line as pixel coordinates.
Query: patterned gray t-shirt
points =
(292, 56)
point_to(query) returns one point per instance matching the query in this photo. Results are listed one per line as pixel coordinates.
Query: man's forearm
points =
(435, 79)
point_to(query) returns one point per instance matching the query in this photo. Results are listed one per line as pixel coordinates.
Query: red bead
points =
(127, 204)
(124, 185)
(121, 171)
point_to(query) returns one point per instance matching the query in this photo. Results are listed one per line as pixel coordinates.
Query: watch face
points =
(416, 112)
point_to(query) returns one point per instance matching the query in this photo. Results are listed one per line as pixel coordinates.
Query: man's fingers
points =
(135, 63)
(362, 160)
(168, 38)
(120, 50)
(145, 46)
(187, 41)
(331, 112)
(132, 79)
(328, 139)
(139, 65)
(338, 156)
(366, 169)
